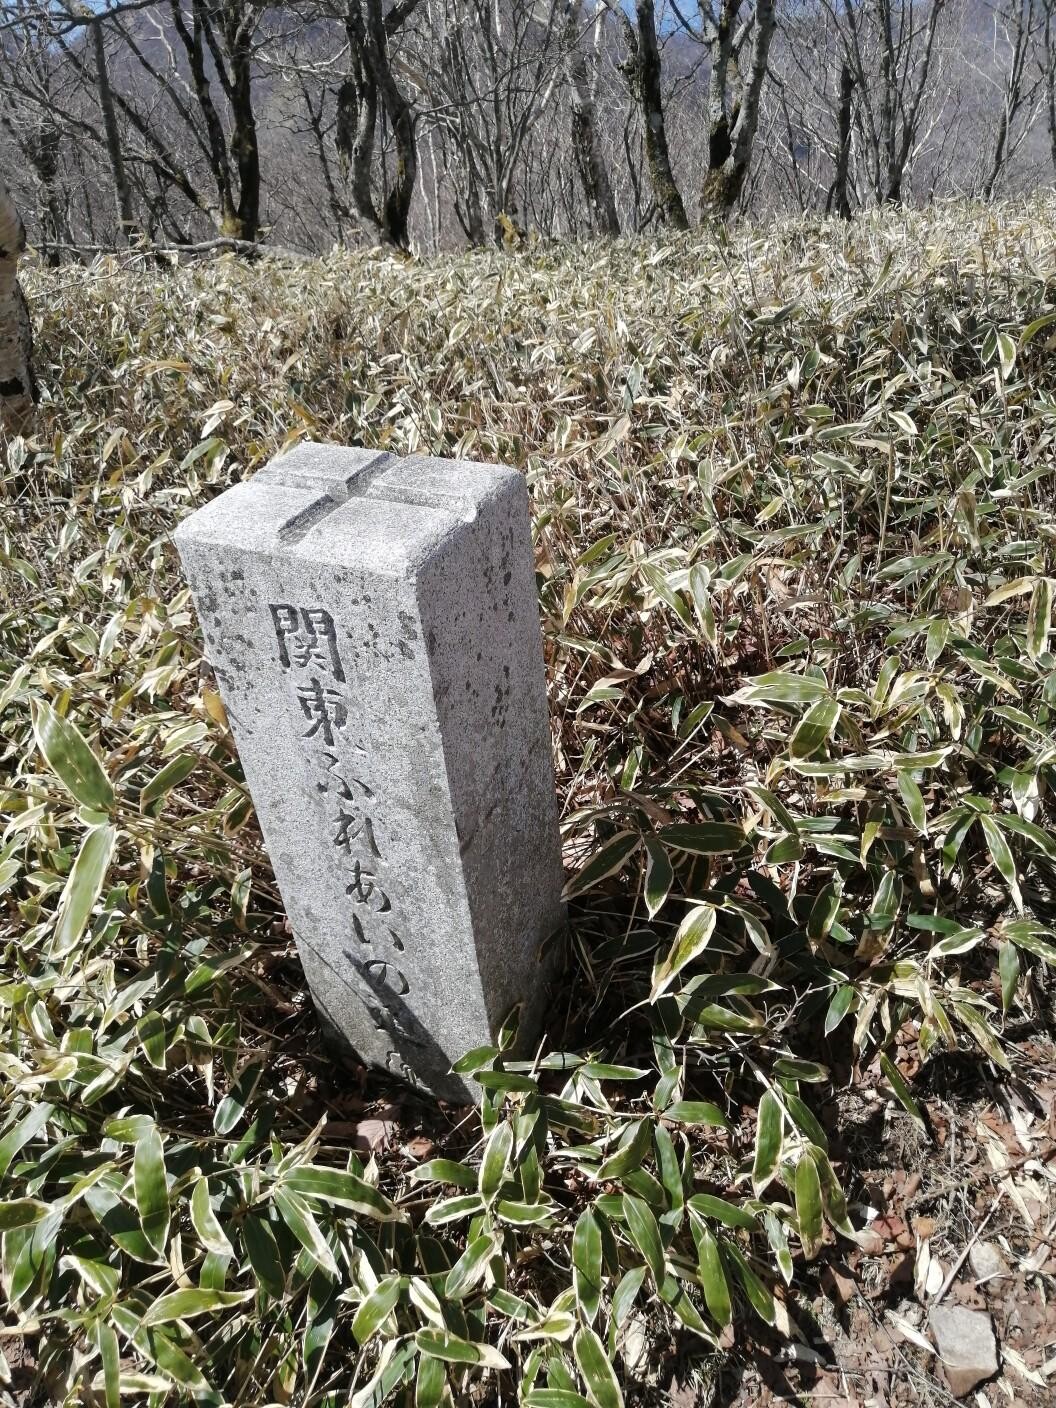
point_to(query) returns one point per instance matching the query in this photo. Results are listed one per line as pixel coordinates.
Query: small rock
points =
(966, 1345)
(871, 1243)
(987, 1261)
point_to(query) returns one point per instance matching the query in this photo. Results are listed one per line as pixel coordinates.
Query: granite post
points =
(373, 625)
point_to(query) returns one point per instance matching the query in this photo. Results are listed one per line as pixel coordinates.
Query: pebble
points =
(966, 1345)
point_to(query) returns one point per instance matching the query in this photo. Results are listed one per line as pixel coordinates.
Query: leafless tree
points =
(736, 35)
(18, 391)
(1013, 32)
(643, 69)
(583, 45)
(1049, 73)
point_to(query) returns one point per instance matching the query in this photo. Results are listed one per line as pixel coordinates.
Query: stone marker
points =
(373, 626)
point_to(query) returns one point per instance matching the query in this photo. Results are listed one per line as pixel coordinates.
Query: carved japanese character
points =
(339, 780)
(355, 827)
(364, 889)
(324, 708)
(307, 638)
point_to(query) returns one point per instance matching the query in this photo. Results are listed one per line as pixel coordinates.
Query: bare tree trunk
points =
(839, 196)
(732, 122)
(645, 78)
(586, 144)
(122, 189)
(370, 90)
(18, 389)
(238, 35)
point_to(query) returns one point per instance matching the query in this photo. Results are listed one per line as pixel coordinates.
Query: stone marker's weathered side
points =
(373, 626)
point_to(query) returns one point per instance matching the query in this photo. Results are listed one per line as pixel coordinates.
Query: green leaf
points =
(815, 728)
(205, 1222)
(707, 838)
(395, 1367)
(453, 1350)
(70, 758)
(507, 1080)
(524, 1214)
(1006, 352)
(901, 1089)
(1032, 329)
(430, 1382)
(263, 1252)
(175, 771)
(790, 1068)
(155, 1345)
(298, 1217)
(960, 941)
(1002, 857)
(832, 1194)
(496, 1160)
(673, 1293)
(376, 1309)
(719, 1210)
(21, 1212)
(913, 801)
(555, 1398)
(768, 1139)
(690, 941)
(474, 1061)
(153, 1038)
(712, 1276)
(184, 1304)
(775, 1235)
(981, 1032)
(232, 1108)
(1019, 826)
(331, 1185)
(659, 876)
(759, 1297)
(808, 1206)
(20, 1134)
(445, 1171)
(626, 1293)
(603, 1388)
(824, 910)
(1008, 966)
(82, 889)
(1032, 938)
(696, 1112)
(555, 1325)
(470, 1267)
(838, 1008)
(645, 1233)
(781, 687)
(804, 1119)
(587, 1264)
(151, 1189)
(454, 1209)
(1039, 618)
(635, 1141)
(110, 1359)
(612, 857)
(606, 1070)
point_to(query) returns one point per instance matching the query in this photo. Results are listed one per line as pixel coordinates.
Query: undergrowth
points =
(793, 522)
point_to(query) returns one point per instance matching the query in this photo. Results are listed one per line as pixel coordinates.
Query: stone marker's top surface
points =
(373, 511)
